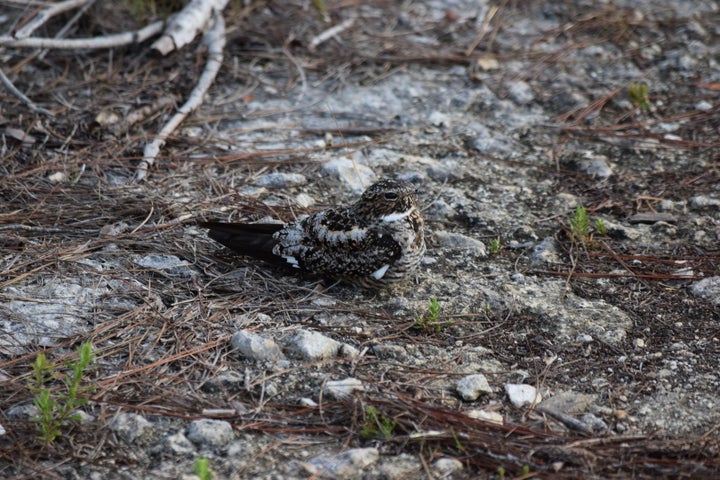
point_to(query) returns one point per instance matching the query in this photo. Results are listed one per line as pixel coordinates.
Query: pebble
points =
(340, 389)
(179, 444)
(24, 411)
(459, 241)
(597, 165)
(281, 180)
(520, 92)
(170, 264)
(256, 347)
(545, 252)
(129, 426)
(489, 416)
(446, 466)
(708, 288)
(206, 431)
(472, 386)
(356, 176)
(342, 465)
(311, 345)
(521, 394)
(702, 201)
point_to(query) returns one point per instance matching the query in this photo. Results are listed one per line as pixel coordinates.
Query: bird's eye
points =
(391, 196)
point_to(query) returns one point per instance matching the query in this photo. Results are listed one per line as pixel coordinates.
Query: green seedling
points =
(495, 246)
(579, 225)
(202, 468)
(376, 424)
(56, 408)
(600, 227)
(638, 93)
(430, 321)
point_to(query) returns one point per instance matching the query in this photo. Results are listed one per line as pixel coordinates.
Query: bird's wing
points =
(251, 239)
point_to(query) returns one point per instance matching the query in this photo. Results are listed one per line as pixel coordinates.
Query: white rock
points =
(520, 92)
(521, 394)
(340, 389)
(343, 465)
(256, 347)
(708, 288)
(446, 466)
(489, 416)
(129, 426)
(472, 386)
(313, 345)
(206, 431)
(356, 176)
(179, 444)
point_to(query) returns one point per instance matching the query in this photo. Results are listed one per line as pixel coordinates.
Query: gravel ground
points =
(558, 351)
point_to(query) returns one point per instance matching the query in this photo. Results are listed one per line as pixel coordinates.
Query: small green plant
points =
(377, 424)
(57, 408)
(202, 468)
(600, 227)
(579, 225)
(430, 320)
(638, 93)
(495, 245)
(501, 473)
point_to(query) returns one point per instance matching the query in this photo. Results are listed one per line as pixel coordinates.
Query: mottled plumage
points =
(374, 242)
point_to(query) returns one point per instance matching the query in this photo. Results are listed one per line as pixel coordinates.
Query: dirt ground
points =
(507, 116)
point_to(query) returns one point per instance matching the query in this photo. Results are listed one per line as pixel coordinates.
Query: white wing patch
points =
(394, 217)
(380, 272)
(291, 260)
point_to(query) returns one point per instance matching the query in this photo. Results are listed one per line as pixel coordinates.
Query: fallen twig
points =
(45, 15)
(9, 85)
(215, 39)
(184, 26)
(107, 41)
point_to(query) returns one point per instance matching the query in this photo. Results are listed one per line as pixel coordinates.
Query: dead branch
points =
(215, 39)
(107, 41)
(9, 85)
(45, 15)
(184, 26)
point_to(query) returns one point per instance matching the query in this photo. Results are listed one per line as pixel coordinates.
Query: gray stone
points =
(597, 165)
(707, 288)
(281, 180)
(25, 411)
(256, 347)
(169, 264)
(179, 444)
(458, 241)
(129, 426)
(520, 92)
(210, 432)
(355, 176)
(472, 386)
(345, 465)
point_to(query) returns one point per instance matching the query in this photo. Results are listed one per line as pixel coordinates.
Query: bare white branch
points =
(107, 41)
(184, 26)
(45, 15)
(330, 32)
(214, 37)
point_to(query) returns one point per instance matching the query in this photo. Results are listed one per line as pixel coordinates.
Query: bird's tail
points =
(250, 239)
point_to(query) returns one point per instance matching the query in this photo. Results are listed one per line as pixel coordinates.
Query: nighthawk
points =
(374, 242)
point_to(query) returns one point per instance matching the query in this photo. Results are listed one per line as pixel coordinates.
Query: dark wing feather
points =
(250, 239)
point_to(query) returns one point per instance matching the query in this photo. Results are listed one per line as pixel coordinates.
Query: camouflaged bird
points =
(374, 242)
